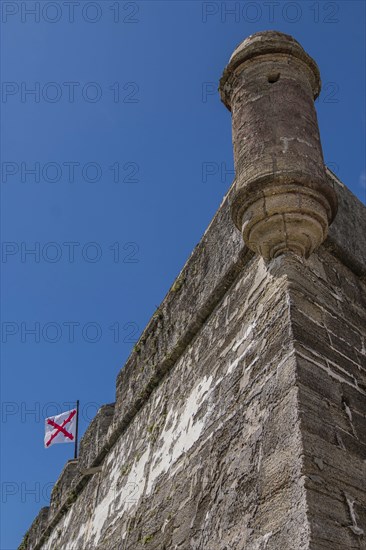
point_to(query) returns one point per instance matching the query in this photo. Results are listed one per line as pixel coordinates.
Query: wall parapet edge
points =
(347, 234)
(62, 486)
(35, 531)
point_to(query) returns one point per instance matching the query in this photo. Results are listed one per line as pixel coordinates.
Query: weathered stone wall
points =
(212, 445)
(240, 416)
(328, 317)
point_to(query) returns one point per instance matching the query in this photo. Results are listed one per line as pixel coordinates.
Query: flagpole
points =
(76, 430)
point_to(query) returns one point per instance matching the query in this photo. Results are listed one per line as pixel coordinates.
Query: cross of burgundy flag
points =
(61, 428)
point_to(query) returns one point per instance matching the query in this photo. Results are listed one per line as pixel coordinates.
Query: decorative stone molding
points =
(282, 200)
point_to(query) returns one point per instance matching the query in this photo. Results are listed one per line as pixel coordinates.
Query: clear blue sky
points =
(134, 90)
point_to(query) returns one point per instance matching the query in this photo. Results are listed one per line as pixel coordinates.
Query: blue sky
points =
(120, 129)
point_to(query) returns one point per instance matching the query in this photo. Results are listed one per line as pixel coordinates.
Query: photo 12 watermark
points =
(30, 492)
(35, 412)
(69, 171)
(70, 252)
(69, 92)
(212, 171)
(69, 332)
(53, 12)
(330, 93)
(270, 12)
(223, 172)
(23, 492)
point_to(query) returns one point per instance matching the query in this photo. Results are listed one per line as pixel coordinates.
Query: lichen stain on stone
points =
(183, 432)
(119, 499)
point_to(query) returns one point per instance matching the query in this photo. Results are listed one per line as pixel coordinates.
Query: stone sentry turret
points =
(282, 202)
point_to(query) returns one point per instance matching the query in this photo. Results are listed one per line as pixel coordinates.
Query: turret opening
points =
(273, 77)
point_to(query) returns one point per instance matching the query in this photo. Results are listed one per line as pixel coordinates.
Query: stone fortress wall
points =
(240, 416)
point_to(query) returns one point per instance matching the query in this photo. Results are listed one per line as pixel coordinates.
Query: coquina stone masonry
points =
(240, 416)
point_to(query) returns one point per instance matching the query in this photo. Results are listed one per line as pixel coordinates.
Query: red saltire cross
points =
(60, 428)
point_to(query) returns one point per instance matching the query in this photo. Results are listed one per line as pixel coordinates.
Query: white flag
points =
(60, 428)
